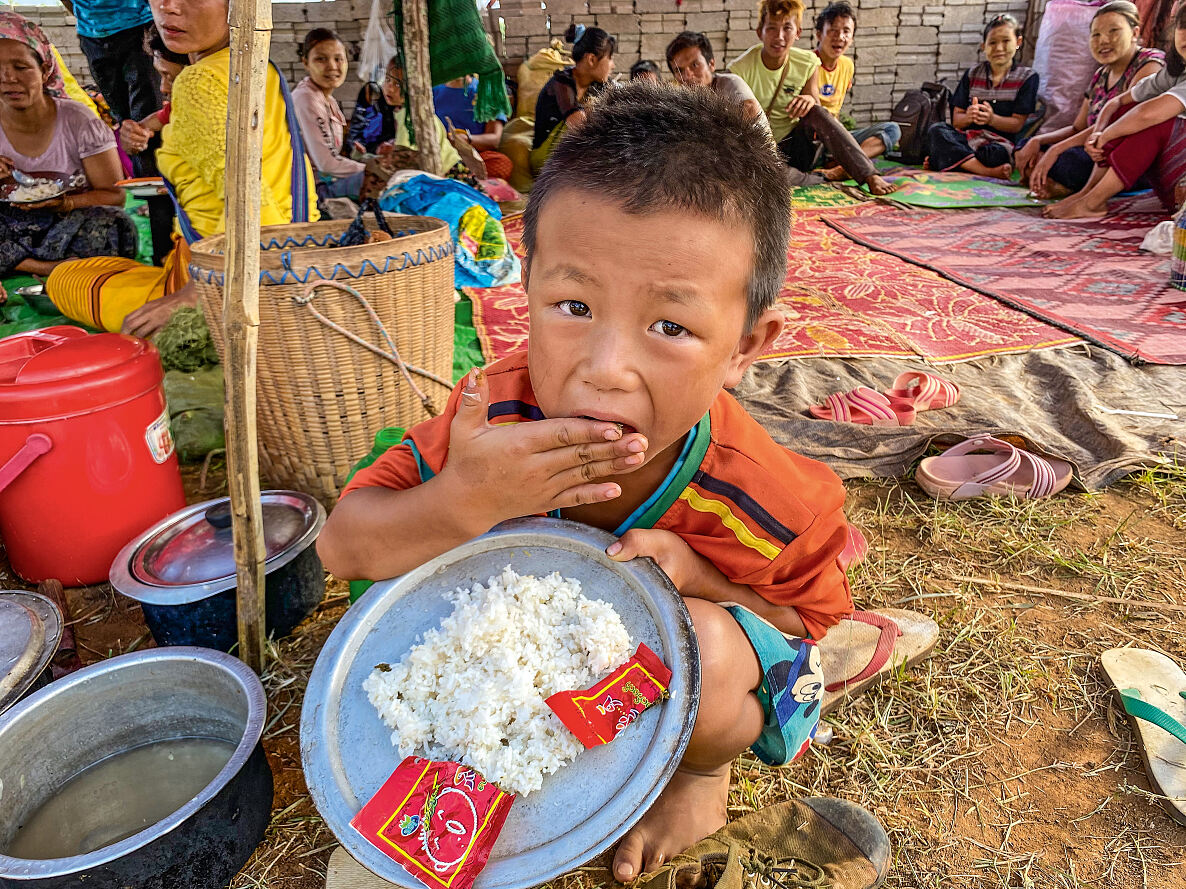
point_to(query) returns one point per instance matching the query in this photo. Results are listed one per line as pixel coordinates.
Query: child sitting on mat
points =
(989, 107)
(650, 292)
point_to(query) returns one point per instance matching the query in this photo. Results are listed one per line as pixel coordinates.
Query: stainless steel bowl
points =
(582, 809)
(119, 705)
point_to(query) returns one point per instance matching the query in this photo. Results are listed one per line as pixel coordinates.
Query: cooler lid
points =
(190, 555)
(30, 629)
(75, 357)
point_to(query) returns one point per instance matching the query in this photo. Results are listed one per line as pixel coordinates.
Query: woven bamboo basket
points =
(326, 384)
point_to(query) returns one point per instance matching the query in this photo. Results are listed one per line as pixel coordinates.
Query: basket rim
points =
(209, 252)
(300, 264)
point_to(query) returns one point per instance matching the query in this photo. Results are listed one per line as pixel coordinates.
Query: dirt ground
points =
(1001, 761)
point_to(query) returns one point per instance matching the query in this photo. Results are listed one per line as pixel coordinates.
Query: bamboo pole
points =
(251, 26)
(419, 77)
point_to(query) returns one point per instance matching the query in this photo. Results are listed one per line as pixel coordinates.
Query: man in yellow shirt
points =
(835, 28)
(785, 81)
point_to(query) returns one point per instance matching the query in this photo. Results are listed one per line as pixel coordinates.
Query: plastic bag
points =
(1062, 58)
(378, 45)
(196, 411)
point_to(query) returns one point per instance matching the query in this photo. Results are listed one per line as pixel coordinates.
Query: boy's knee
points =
(723, 644)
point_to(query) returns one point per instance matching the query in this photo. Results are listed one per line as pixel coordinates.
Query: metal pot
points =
(122, 704)
(182, 570)
(30, 629)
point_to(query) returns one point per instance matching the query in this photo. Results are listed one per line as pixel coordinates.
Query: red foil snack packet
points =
(596, 715)
(437, 819)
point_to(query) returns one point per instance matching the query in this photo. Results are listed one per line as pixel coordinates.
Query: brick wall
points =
(899, 43)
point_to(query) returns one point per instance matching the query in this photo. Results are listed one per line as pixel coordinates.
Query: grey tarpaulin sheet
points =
(1049, 397)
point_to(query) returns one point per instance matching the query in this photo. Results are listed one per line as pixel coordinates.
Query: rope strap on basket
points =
(391, 354)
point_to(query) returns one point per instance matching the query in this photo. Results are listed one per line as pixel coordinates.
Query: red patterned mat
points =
(841, 300)
(1088, 277)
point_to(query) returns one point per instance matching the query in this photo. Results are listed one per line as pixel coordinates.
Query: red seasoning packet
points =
(437, 819)
(598, 714)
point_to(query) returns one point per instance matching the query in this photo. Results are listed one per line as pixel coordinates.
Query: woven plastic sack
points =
(1063, 59)
(378, 45)
(536, 71)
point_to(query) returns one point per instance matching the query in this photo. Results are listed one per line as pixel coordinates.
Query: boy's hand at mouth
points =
(507, 471)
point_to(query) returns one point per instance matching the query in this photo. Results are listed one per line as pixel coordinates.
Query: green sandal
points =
(1150, 687)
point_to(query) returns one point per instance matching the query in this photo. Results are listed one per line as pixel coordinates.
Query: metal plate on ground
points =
(582, 809)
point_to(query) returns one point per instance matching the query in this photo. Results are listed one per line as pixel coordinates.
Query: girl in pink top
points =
(323, 125)
(45, 134)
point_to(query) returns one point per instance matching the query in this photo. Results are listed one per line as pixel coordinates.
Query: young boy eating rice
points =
(656, 243)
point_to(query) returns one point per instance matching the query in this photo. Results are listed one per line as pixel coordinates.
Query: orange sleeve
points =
(768, 518)
(807, 574)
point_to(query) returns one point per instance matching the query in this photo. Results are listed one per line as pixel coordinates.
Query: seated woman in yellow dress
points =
(118, 294)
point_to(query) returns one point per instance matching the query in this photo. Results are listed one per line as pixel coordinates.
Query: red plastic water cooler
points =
(86, 455)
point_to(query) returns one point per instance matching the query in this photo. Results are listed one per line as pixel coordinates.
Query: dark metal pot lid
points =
(190, 555)
(30, 630)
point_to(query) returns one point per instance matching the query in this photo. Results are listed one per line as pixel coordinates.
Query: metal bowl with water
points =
(124, 734)
(582, 809)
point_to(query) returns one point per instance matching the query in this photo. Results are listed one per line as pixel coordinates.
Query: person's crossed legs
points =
(798, 148)
(767, 701)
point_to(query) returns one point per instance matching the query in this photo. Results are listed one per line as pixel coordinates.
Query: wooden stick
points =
(419, 75)
(251, 25)
(1063, 594)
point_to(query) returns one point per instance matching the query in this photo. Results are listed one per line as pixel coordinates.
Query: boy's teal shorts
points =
(791, 690)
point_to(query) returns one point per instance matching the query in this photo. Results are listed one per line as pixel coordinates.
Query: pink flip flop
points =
(923, 391)
(960, 474)
(865, 406)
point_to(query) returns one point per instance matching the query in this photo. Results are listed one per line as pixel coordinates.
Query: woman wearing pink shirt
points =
(44, 133)
(323, 125)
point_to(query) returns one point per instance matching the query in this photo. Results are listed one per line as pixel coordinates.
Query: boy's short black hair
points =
(686, 40)
(651, 147)
(838, 10)
(643, 66)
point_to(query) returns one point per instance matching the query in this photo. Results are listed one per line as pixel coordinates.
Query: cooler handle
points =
(35, 445)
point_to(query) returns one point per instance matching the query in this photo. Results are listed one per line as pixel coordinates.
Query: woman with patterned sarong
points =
(44, 133)
(118, 294)
(1055, 164)
(1140, 133)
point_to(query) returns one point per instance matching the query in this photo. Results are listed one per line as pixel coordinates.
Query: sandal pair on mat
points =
(988, 466)
(1152, 691)
(912, 393)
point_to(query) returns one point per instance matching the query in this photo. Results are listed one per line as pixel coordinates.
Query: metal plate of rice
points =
(584, 808)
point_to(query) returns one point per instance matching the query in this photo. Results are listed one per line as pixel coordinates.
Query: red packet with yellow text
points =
(437, 819)
(598, 714)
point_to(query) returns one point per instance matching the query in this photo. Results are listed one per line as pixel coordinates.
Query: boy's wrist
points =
(472, 517)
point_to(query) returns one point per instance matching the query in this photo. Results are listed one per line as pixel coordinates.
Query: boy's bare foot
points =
(879, 186)
(835, 174)
(691, 808)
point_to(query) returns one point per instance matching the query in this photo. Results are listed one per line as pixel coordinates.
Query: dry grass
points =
(998, 762)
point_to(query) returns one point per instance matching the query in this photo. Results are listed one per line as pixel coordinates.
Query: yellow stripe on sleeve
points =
(740, 531)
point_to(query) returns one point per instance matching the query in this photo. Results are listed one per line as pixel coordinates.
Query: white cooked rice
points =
(473, 690)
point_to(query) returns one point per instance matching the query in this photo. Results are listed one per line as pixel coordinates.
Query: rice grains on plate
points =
(473, 690)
